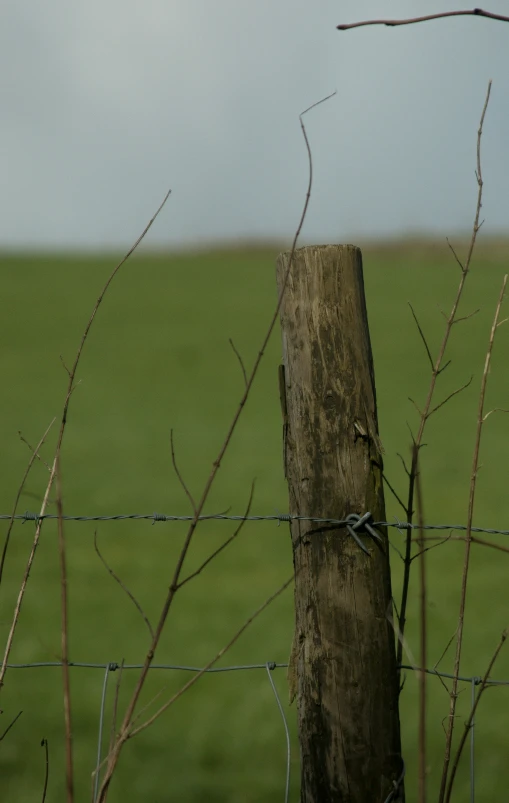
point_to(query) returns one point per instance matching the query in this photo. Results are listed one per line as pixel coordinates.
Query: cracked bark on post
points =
(342, 667)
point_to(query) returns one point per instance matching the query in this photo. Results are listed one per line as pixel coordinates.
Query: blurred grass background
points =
(158, 358)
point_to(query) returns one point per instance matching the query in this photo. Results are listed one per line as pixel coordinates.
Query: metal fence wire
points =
(269, 667)
(355, 525)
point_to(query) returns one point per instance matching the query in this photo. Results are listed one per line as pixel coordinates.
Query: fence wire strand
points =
(278, 517)
(269, 667)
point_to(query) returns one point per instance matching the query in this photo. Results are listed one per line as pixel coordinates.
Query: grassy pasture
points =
(158, 358)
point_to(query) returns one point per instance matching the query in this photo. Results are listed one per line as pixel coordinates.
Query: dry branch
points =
(223, 546)
(35, 454)
(125, 728)
(123, 587)
(423, 643)
(470, 719)
(10, 725)
(70, 389)
(475, 12)
(468, 541)
(437, 369)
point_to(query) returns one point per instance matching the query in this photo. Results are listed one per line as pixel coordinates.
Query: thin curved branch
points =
(223, 545)
(10, 725)
(35, 454)
(468, 542)
(438, 367)
(239, 358)
(123, 587)
(475, 12)
(180, 477)
(125, 729)
(70, 389)
(428, 352)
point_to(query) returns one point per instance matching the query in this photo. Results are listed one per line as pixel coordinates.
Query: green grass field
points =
(158, 358)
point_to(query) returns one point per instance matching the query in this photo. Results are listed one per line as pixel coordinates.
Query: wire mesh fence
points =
(109, 667)
(355, 525)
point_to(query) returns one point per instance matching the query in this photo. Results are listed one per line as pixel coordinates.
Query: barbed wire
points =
(277, 517)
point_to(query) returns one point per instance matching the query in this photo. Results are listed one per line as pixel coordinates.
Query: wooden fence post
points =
(343, 666)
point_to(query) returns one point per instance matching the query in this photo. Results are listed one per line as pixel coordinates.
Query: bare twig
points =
(179, 475)
(69, 775)
(495, 410)
(394, 492)
(468, 542)
(6, 731)
(438, 366)
(475, 12)
(123, 587)
(450, 396)
(35, 453)
(44, 743)
(443, 539)
(116, 745)
(467, 317)
(428, 352)
(241, 361)
(470, 720)
(223, 545)
(211, 663)
(405, 470)
(421, 539)
(455, 255)
(70, 389)
(125, 731)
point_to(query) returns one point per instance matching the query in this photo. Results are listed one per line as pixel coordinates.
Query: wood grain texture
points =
(343, 657)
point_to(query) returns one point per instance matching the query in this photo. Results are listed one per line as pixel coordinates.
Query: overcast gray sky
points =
(108, 103)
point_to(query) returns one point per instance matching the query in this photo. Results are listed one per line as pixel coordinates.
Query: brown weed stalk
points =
(470, 720)
(70, 388)
(125, 731)
(438, 367)
(481, 417)
(423, 643)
